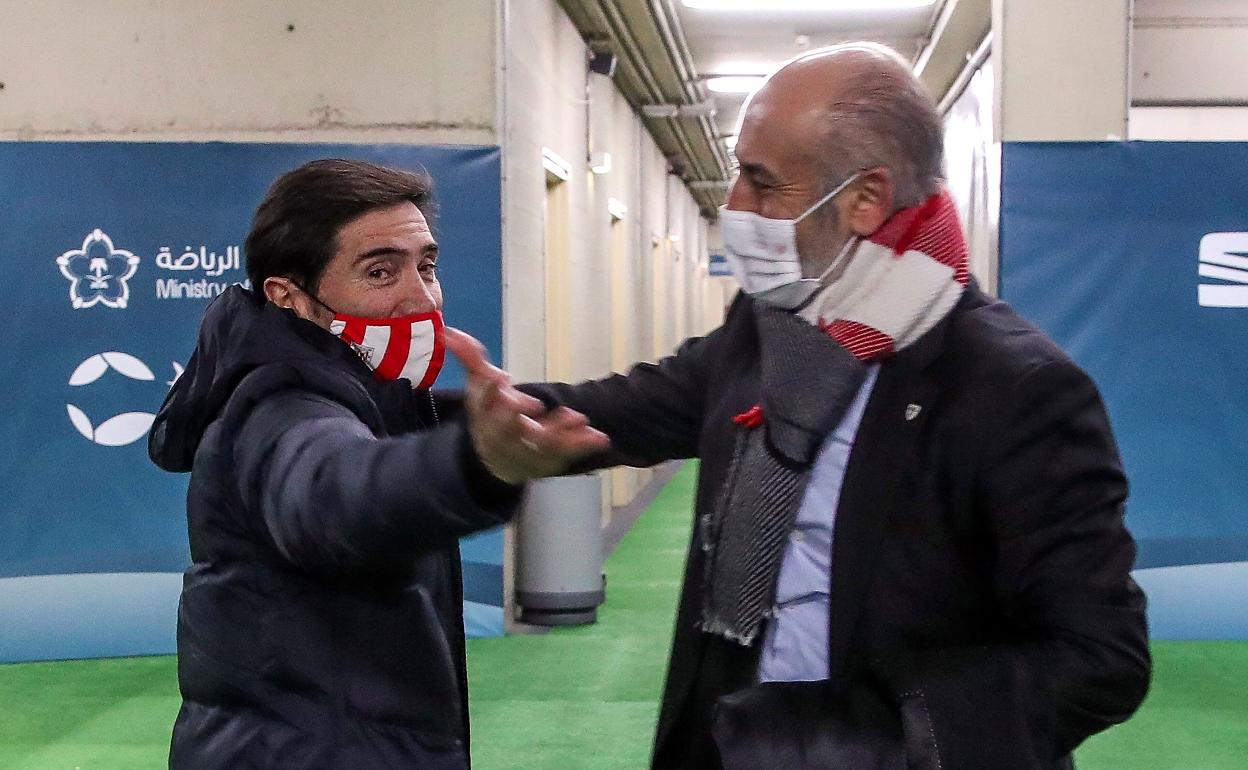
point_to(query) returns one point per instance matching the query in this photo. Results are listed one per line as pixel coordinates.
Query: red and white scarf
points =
(900, 283)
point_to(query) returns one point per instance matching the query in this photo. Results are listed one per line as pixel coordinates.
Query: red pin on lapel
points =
(751, 418)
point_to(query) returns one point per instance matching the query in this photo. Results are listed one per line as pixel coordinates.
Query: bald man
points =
(909, 549)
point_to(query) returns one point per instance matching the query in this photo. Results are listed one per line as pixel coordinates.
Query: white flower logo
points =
(98, 272)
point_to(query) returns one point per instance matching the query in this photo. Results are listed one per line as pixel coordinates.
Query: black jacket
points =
(980, 585)
(321, 623)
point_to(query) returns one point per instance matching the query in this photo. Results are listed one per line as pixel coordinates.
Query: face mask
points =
(762, 254)
(411, 346)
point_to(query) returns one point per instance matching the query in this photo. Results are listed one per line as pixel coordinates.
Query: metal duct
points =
(655, 68)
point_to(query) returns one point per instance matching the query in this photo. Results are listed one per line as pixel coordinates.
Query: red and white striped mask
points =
(411, 346)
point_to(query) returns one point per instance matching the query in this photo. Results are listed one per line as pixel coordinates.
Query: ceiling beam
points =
(958, 32)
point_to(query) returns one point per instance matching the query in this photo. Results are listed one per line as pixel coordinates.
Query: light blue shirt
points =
(795, 644)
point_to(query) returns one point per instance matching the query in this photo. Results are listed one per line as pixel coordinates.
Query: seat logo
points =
(1224, 258)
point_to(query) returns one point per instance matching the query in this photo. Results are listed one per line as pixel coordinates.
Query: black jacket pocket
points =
(799, 725)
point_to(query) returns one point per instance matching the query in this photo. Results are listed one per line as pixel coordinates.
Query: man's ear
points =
(280, 291)
(285, 293)
(870, 201)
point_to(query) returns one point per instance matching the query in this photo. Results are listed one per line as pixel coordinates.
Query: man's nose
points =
(419, 295)
(741, 197)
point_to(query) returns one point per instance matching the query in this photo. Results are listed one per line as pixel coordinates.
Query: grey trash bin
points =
(559, 580)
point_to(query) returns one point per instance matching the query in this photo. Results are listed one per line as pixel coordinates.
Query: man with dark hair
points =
(295, 227)
(909, 548)
(321, 623)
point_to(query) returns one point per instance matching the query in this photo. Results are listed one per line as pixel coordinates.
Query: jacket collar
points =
(795, 356)
(394, 398)
(925, 350)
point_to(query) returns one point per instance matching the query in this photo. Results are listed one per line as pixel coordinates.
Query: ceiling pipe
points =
(963, 79)
(656, 71)
(695, 90)
(623, 34)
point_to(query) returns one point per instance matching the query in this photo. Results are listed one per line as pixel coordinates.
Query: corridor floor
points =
(584, 698)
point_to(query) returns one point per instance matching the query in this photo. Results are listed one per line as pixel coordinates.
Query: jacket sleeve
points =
(1052, 493)
(652, 414)
(334, 498)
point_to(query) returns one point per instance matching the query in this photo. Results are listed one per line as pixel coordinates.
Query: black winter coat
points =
(321, 622)
(982, 610)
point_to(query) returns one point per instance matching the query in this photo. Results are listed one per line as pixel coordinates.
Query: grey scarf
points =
(808, 382)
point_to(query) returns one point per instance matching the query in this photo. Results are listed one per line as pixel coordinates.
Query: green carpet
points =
(584, 698)
(112, 714)
(588, 697)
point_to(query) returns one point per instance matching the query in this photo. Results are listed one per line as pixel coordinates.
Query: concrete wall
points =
(1068, 69)
(973, 171)
(1061, 69)
(543, 78)
(1188, 59)
(1192, 124)
(550, 101)
(249, 70)
(1189, 52)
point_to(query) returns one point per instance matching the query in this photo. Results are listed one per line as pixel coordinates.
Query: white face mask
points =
(762, 254)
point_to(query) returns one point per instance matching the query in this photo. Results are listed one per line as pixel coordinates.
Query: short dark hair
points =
(295, 230)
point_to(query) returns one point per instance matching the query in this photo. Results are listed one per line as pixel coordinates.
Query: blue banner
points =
(1134, 258)
(114, 251)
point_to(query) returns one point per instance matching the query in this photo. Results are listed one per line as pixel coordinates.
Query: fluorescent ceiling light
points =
(730, 141)
(806, 5)
(735, 84)
(744, 68)
(600, 162)
(616, 208)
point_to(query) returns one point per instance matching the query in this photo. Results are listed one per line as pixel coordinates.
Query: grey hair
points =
(882, 115)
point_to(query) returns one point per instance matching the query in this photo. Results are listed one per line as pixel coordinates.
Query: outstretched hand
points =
(515, 435)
